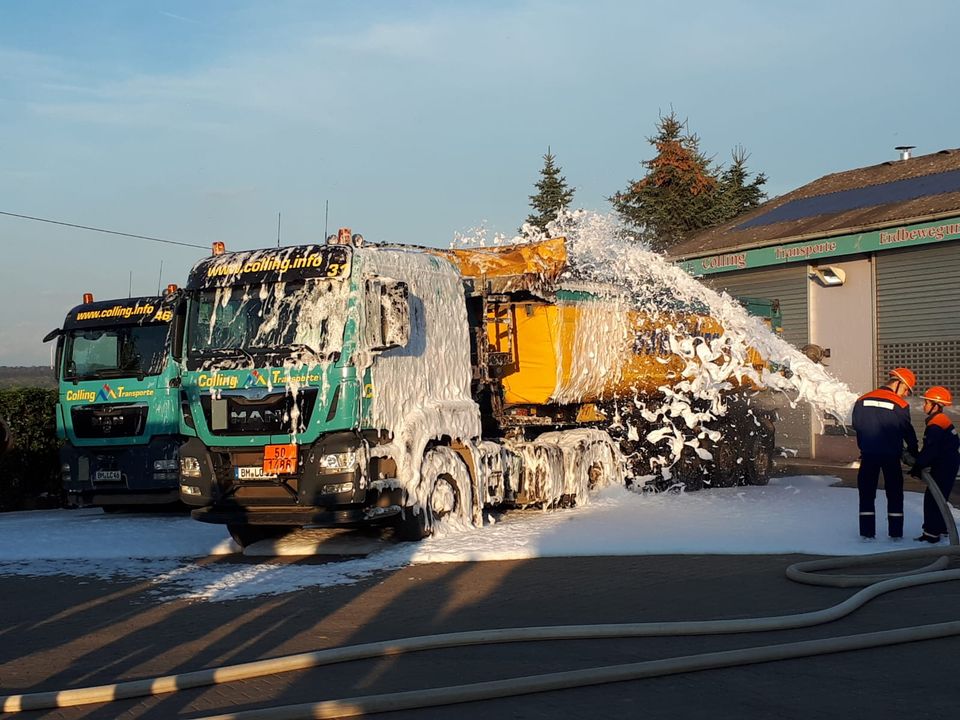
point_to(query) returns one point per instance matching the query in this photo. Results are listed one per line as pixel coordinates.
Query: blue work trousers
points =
(933, 522)
(868, 477)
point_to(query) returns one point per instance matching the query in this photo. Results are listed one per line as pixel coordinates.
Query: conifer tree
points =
(736, 195)
(552, 194)
(682, 192)
(678, 194)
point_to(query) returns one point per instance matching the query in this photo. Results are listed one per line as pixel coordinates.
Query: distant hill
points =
(27, 376)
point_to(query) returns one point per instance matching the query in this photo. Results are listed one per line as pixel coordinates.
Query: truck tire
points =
(689, 470)
(759, 460)
(447, 484)
(246, 535)
(727, 472)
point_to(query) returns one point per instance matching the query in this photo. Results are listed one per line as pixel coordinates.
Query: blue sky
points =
(414, 120)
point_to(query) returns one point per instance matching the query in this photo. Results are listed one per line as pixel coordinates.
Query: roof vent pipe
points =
(904, 151)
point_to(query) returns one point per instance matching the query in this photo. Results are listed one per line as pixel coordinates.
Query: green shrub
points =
(30, 470)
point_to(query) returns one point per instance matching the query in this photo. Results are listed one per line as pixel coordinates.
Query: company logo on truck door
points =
(217, 380)
(84, 395)
(255, 378)
(109, 393)
(106, 393)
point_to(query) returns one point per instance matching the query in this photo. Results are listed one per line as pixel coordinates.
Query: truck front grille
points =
(270, 414)
(108, 420)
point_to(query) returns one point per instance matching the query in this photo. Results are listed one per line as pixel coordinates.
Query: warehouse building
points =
(864, 264)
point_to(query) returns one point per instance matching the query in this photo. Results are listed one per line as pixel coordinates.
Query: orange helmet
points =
(939, 395)
(904, 375)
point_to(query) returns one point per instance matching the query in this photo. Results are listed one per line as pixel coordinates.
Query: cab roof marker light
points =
(171, 288)
(343, 237)
(87, 298)
(219, 248)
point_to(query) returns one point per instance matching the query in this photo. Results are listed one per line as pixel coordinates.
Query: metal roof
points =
(897, 192)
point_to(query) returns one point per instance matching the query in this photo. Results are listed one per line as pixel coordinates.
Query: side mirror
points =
(388, 314)
(6, 437)
(56, 354)
(58, 357)
(177, 327)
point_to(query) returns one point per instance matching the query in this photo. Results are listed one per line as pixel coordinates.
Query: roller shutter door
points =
(787, 284)
(918, 323)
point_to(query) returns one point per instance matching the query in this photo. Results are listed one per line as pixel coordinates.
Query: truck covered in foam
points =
(348, 384)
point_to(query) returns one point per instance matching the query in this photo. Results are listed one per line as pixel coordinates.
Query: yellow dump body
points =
(572, 344)
(586, 350)
(546, 259)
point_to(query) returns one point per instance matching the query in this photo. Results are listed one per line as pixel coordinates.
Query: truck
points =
(118, 410)
(347, 384)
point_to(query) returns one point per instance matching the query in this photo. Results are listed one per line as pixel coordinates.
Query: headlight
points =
(338, 462)
(165, 464)
(189, 489)
(337, 488)
(189, 467)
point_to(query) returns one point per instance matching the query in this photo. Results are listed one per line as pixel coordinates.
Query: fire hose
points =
(804, 572)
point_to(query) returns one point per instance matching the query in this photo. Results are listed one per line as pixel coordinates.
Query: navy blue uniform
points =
(882, 421)
(941, 453)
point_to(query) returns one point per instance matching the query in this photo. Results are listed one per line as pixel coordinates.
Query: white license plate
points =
(107, 475)
(251, 472)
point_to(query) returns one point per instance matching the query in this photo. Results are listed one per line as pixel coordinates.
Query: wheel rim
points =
(725, 464)
(444, 499)
(594, 476)
(761, 465)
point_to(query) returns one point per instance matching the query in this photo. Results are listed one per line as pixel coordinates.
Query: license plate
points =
(107, 475)
(280, 459)
(251, 472)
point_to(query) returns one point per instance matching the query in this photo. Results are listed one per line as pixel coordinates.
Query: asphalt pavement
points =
(61, 632)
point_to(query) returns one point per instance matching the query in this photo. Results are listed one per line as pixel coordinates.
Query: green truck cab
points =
(314, 378)
(118, 405)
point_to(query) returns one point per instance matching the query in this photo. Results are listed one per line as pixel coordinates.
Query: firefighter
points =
(941, 453)
(882, 421)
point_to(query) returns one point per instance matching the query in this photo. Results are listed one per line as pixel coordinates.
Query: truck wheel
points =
(447, 484)
(246, 535)
(596, 476)
(688, 470)
(726, 470)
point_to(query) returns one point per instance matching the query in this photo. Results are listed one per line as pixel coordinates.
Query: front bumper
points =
(313, 496)
(122, 474)
(299, 517)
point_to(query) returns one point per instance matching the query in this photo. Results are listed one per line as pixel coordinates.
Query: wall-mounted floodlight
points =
(828, 276)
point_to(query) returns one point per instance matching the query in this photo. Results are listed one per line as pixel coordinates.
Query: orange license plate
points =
(279, 459)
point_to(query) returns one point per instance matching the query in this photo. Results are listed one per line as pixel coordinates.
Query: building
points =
(865, 265)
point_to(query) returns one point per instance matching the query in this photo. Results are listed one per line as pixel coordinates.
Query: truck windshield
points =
(115, 352)
(306, 316)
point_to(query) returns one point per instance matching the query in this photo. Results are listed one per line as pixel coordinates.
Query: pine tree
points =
(736, 195)
(679, 193)
(552, 196)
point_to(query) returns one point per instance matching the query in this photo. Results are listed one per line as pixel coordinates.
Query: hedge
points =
(30, 469)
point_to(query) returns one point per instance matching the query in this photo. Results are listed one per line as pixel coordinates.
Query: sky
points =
(798, 514)
(409, 121)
